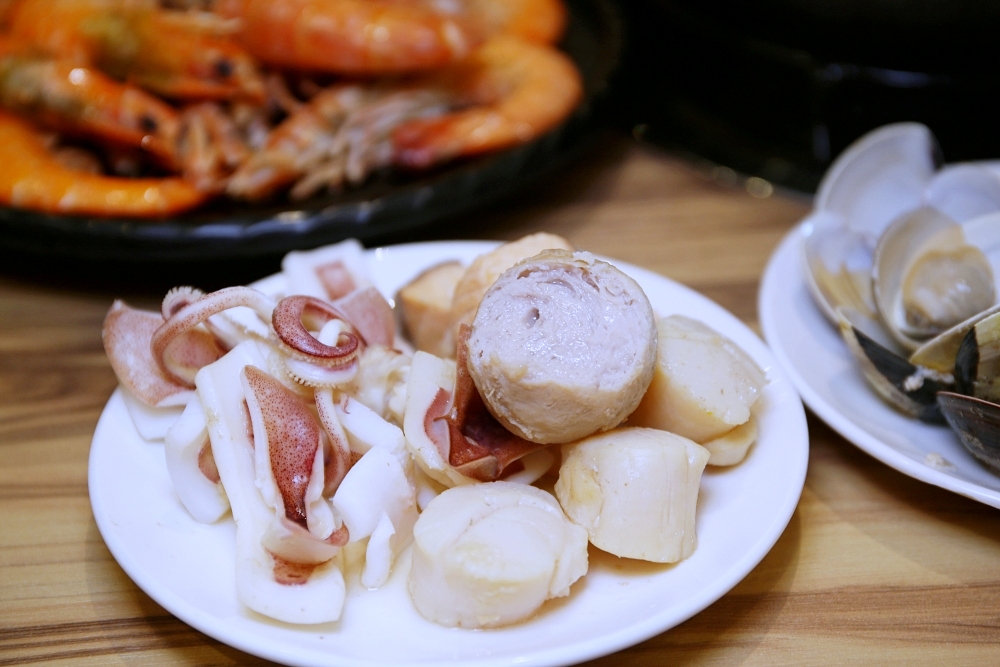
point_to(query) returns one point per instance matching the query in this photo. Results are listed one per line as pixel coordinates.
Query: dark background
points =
(777, 88)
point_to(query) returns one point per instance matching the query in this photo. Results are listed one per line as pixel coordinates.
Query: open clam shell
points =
(838, 263)
(964, 191)
(940, 353)
(928, 276)
(977, 423)
(880, 176)
(977, 363)
(909, 388)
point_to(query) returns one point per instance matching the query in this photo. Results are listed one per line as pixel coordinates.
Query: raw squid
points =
(316, 596)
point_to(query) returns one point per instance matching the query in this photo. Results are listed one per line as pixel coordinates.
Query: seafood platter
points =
(194, 129)
(454, 452)
(901, 255)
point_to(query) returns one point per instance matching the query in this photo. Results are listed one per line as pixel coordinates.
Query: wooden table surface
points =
(874, 566)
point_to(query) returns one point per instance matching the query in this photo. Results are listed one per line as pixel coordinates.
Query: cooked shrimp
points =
(340, 136)
(83, 102)
(513, 91)
(539, 21)
(179, 55)
(353, 36)
(32, 177)
(210, 146)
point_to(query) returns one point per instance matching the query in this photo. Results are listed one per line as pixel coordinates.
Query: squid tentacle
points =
(194, 313)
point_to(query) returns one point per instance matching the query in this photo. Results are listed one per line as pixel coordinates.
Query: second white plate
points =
(816, 358)
(188, 567)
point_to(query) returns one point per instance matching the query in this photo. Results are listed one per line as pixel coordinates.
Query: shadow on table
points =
(735, 624)
(134, 628)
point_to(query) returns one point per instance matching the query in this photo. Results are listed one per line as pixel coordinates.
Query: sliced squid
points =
(327, 273)
(704, 386)
(192, 468)
(152, 423)
(241, 323)
(452, 436)
(428, 395)
(635, 491)
(301, 592)
(289, 443)
(487, 555)
(380, 382)
(377, 498)
(366, 429)
(377, 501)
(127, 333)
(370, 314)
(384, 545)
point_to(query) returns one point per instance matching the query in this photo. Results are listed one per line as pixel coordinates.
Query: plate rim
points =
(580, 651)
(787, 258)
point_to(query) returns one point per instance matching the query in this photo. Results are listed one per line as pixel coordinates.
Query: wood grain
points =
(874, 568)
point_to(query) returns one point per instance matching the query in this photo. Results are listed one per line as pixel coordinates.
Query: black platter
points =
(387, 207)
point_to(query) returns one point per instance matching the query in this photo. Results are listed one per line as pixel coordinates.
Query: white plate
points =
(810, 349)
(188, 567)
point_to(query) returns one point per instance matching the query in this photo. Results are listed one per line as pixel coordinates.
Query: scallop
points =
(488, 555)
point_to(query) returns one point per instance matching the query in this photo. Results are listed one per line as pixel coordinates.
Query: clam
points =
(928, 276)
(940, 352)
(972, 410)
(964, 191)
(878, 178)
(904, 260)
(977, 362)
(977, 423)
(910, 388)
(839, 263)
(881, 344)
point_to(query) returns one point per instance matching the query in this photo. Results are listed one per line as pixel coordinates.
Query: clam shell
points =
(838, 263)
(977, 423)
(977, 363)
(880, 176)
(964, 191)
(908, 388)
(927, 230)
(939, 353)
